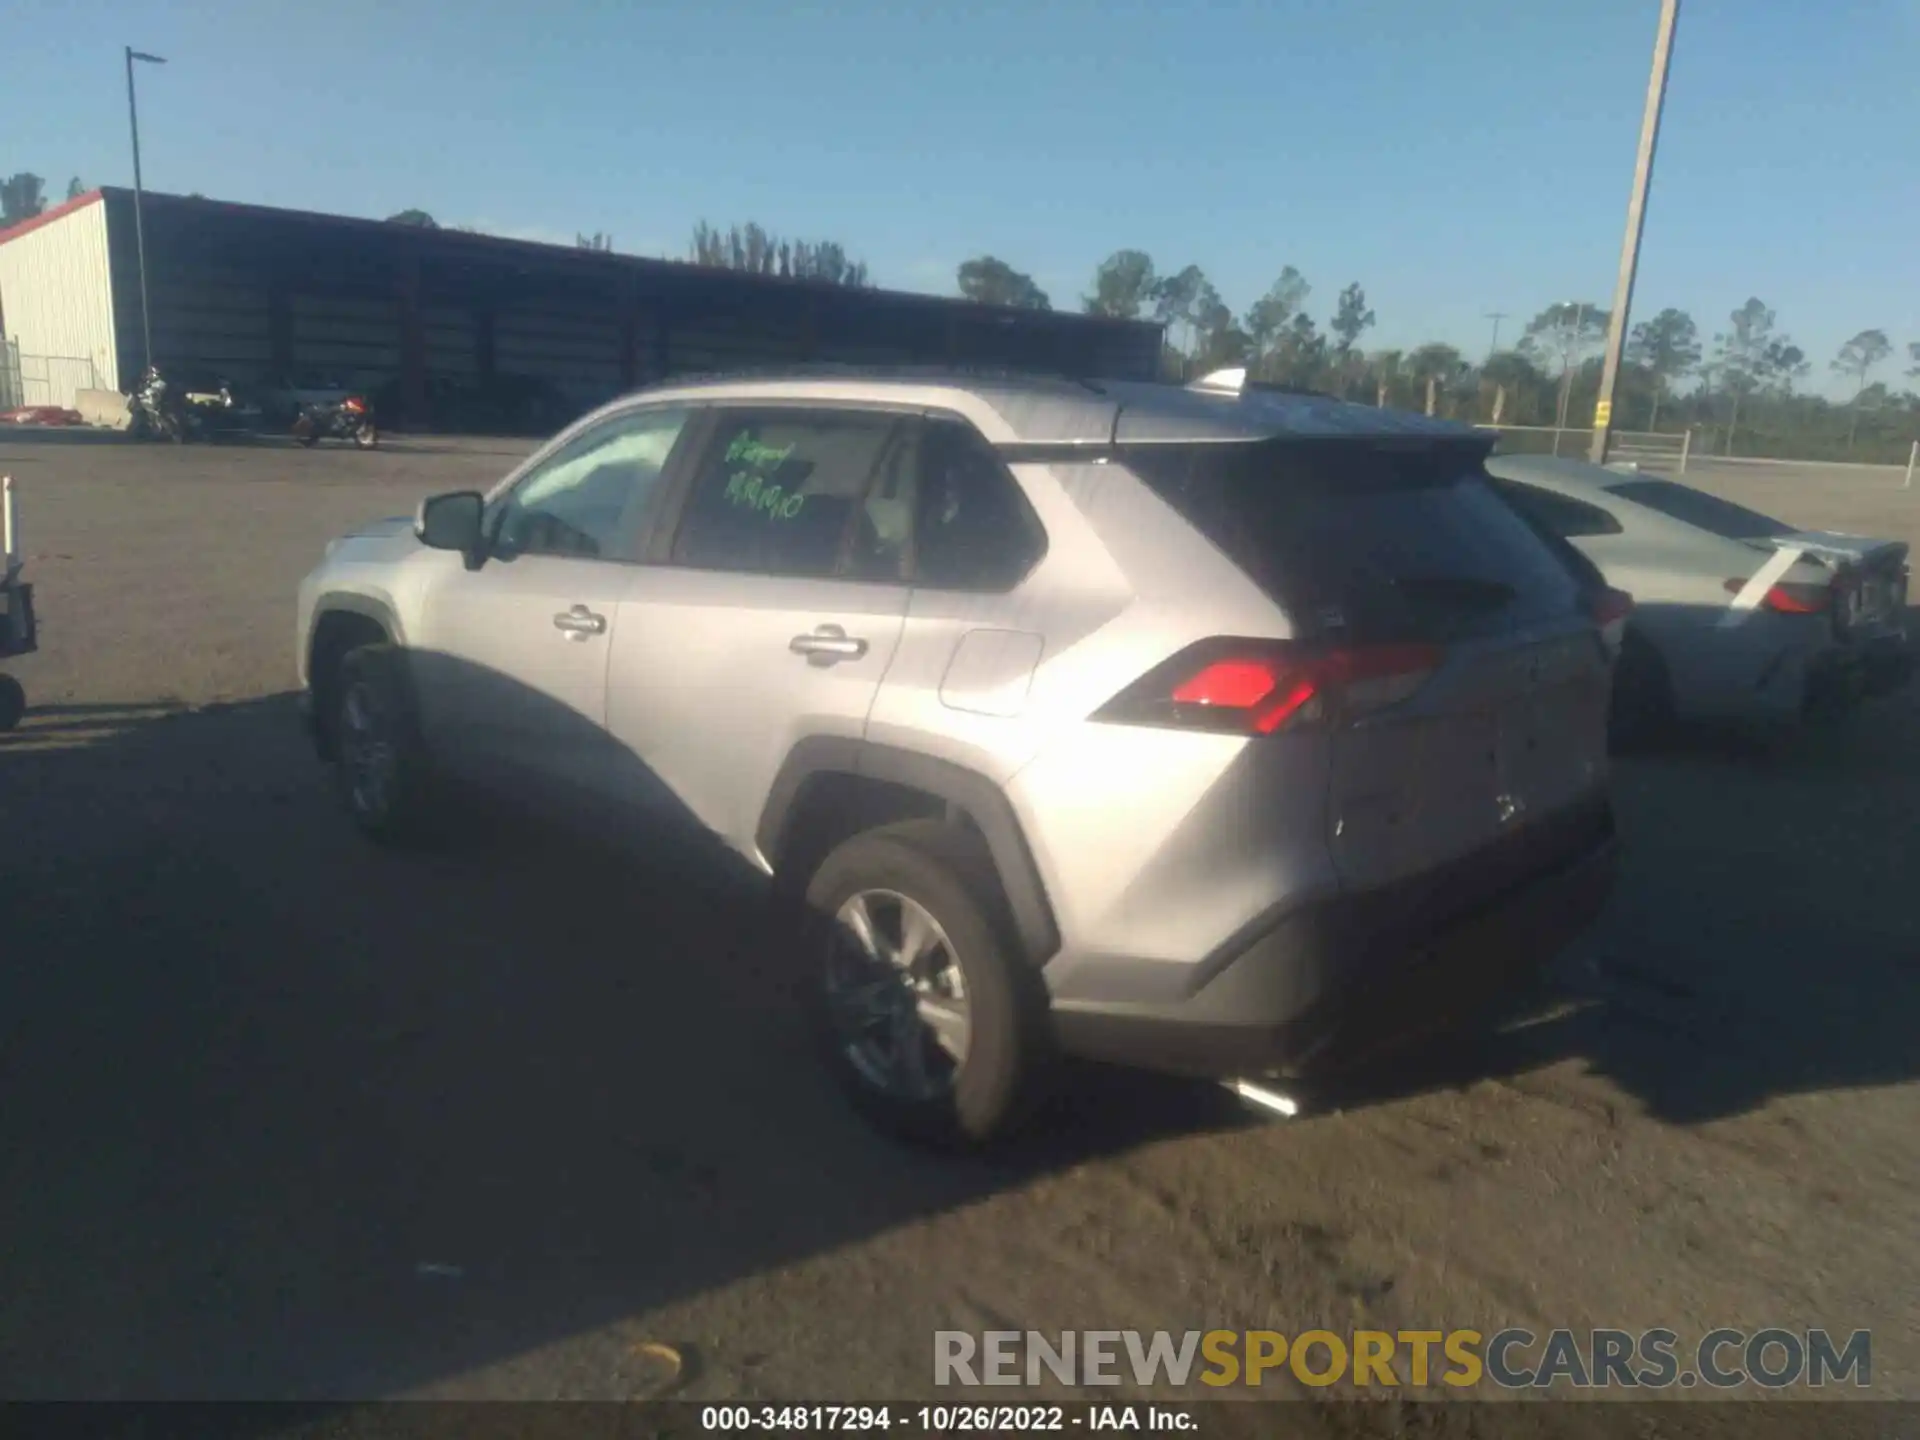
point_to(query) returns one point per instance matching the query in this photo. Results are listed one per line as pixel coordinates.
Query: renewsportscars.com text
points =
(1512, 1359)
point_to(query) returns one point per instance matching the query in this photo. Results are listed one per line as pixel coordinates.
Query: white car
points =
(1737, 616)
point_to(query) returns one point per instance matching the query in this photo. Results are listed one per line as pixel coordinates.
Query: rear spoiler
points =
(1835, 550)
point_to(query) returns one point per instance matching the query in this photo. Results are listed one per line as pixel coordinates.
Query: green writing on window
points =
(751, 463)
(746, 489)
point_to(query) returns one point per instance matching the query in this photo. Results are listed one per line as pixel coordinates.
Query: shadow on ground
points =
(285, 1116)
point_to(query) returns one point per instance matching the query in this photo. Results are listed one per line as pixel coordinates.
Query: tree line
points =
(1736, 391)
(24, 196)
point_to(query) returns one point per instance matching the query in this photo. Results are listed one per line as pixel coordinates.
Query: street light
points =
(1636, 222)
(139, 228)
(1569, 343)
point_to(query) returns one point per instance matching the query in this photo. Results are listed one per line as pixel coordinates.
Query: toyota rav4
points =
(1206, 728)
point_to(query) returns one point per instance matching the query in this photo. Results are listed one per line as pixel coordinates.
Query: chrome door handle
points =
(828, 645)
(580, 622)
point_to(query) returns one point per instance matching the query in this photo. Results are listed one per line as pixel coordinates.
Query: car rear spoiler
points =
(1836, 550)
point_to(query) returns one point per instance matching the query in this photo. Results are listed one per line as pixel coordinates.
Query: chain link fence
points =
(10, 388)
(43, 379)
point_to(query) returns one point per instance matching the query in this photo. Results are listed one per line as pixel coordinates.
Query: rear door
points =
(769, 613)
(1367, 543)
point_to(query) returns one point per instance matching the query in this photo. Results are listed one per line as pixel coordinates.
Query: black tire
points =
(1009, 1052)
(369, 703)
(309, 439)
(13, 702)
(1642, 711)
(366, 437)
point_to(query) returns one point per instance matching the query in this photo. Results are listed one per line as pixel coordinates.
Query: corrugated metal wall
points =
(729, 341)
(452, 337)
(252, 293)
(578, 351)
(209, 319)
(56, 293)
(355, 339)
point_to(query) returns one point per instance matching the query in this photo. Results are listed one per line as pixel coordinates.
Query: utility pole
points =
(139, 226)
(1496, 316)
(1636, 222)
(1570, 342)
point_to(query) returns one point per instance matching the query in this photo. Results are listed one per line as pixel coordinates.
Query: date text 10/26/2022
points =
(946, 1419)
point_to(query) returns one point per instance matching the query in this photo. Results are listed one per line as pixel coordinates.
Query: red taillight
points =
(1237, 684)
(1267, 692)
(1789, 599)
(1611, 605)
(1253, 687)
(353, 403)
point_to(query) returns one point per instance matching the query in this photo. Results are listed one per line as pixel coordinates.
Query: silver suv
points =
(1211, 729)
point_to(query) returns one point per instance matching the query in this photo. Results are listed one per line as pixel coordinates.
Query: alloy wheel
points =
(366, 752)
(897, 996)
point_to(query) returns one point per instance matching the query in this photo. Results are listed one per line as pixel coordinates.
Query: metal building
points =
(257, 294)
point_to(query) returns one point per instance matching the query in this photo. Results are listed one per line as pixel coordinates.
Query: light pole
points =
(1568, 344)
(139, 225)
(1496, 316)
(1636, 222)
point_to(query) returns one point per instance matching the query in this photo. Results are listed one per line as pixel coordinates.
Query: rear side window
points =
(1558, 514)
(781, 492)
(1707, 512)
(1365, 541)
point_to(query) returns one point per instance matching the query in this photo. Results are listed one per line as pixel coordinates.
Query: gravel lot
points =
(254, 1077)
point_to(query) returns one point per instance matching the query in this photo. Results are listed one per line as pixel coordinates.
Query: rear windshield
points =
(1707, 512)
(1367, 541)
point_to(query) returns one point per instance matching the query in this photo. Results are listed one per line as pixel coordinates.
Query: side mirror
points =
(452, 522)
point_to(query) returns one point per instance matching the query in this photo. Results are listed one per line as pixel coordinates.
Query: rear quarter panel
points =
(1124, 583)
(1677, 575)
(1154, 846)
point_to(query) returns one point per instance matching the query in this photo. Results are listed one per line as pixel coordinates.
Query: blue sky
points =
(1454, 158)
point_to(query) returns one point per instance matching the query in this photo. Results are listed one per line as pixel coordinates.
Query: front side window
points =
(583, 501)
(784, 492)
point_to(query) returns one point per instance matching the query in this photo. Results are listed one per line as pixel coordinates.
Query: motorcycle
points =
(348, 419)
(157, 413)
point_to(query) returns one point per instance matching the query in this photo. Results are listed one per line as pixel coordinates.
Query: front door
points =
(510, 659)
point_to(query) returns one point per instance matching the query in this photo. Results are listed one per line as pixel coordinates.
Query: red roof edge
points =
(47, 217)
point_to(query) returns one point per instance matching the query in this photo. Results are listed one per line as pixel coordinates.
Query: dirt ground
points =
(281, 1116)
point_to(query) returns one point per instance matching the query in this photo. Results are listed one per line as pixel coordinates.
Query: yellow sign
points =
(1603, 415)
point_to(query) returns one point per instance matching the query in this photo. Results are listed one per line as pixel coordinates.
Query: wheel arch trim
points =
(376, 608)
(984, 802)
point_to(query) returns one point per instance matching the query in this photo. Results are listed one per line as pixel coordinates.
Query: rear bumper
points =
(1862, 671)
(1325, 989)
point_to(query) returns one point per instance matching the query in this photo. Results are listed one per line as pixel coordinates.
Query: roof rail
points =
(828, 369)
